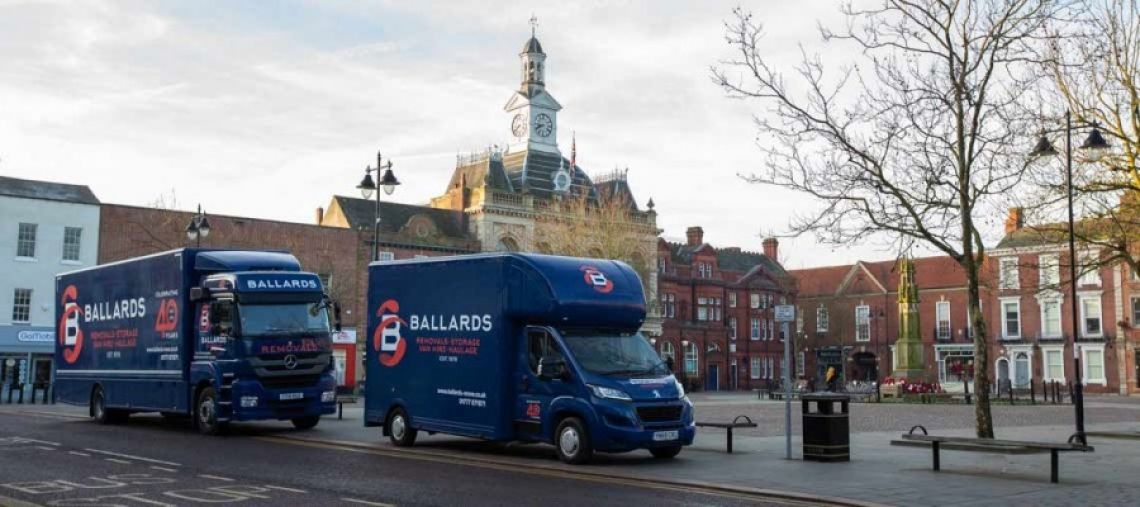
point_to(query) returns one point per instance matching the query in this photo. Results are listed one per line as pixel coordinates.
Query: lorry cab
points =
(519, 347)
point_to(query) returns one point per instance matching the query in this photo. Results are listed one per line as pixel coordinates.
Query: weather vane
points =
(533, 23)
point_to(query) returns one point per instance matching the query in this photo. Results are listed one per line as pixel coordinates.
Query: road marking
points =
(366, 502)
(45, 448)
(215, 477)
(777, 497)
(34, 441)
(164, 469)
(136, 458)
(283, 488)
(119, 461)
(77, 453)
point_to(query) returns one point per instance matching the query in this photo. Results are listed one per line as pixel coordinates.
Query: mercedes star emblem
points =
(290, 362)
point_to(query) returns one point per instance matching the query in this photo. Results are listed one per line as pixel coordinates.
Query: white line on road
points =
(45, 448)
(164, 469)
(77, 453)
(283, 488)
(136, 458)
(366, 502)
(40, 441)
(119, 461)
(215, 477)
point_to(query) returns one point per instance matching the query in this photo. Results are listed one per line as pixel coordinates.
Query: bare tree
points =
(912, 141)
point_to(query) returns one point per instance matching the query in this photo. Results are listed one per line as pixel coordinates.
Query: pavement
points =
(878, 473)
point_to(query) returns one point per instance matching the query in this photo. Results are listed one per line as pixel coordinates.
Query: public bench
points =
(341, 400)
(737, 422)
(992, 446)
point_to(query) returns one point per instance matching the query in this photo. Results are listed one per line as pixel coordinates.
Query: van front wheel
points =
(573, 442)
(400, 430)
(665, 452)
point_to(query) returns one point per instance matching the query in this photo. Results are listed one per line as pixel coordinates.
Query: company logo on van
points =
(596, 279)
(70, 335)
(386, 339)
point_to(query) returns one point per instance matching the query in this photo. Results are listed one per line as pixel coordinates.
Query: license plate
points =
(296, 396)
(663, 436)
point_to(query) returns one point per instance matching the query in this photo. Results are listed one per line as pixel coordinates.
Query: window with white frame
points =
(862, 323)
(942, 315)
(661, 265)
(22, 306)
(799, 321)
(690, 358)
(1048, 270)
(26, 241)
(1008, 273)
(755, 328)
(732, 328)
(769, 368)
(1011, 319)
(1050, 318)
(754, 368)
(1093, 364)
(1089, 270)
(668, 351)
(1054, 359)
(668, 305)
(1135, 311)
(71, 239)
(732, 300)
(821, 320)
(1091, 316)
(702, 308)
(771, 329)
(754, 301)
(387, 256)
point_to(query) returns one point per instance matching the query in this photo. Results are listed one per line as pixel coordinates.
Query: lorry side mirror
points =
(336, 316)
(215, 315)
(550, 367)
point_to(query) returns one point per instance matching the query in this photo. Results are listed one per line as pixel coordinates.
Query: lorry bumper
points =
(252, 401)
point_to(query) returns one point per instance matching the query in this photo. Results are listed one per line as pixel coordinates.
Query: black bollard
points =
(966, 389)
(1032, 393)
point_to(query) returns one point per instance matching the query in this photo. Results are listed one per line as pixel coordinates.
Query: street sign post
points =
(785, 314)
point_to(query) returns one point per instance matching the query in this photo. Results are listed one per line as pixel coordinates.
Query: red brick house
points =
(717, 310)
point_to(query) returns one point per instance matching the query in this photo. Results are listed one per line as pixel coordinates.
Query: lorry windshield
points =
(278, 319)
(615, 355)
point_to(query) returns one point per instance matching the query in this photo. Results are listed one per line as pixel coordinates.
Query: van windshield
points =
(617, 355)
(282, 319)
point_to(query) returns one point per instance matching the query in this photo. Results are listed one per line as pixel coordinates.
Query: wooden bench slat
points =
(954, 446)
(996, 442)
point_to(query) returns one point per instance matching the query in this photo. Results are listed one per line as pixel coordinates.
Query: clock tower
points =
(533, 112)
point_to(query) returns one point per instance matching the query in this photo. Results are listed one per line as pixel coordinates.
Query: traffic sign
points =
(785, 313)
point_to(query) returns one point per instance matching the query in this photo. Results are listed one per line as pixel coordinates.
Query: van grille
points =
(660, 413)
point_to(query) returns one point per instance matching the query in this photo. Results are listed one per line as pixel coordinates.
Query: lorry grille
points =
(294, 382)
(660, 413)
(274, 366)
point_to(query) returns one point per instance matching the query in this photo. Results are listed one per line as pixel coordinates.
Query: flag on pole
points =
(573, 150)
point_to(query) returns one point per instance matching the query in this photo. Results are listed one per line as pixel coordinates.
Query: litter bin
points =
(827, 435)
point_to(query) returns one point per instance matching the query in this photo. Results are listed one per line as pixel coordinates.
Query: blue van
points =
(519, 347)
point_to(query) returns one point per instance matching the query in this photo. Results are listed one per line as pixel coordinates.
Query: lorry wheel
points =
(206, 413)
(665, 452)
(573, 442)
(400, 431)
(99, 407)
(306, 423)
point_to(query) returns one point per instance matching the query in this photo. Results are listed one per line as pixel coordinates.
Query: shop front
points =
(25, 361)
(955, 362)
(345, 359)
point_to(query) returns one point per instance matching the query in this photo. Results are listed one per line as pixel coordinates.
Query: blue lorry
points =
(519, 347)
(217, 335)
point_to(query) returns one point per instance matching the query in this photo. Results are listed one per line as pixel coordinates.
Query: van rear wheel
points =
(572, 442)
(400, 430)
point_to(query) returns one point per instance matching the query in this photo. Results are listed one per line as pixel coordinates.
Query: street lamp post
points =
(1095, 144)
(388, 182)
(198, 228)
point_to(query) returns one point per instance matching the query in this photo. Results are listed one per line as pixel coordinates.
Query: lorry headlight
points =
(609, 392)
(248, 401)
(328, 396)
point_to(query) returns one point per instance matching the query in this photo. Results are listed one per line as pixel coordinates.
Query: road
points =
(59, 460)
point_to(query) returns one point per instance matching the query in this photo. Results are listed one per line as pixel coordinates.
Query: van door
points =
(535, 393)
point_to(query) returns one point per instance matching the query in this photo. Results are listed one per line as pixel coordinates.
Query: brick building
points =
(850, 319)
(717, 310)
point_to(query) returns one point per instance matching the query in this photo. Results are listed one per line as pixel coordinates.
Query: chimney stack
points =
(772, 248)
(695, 235)
(320, 215)
(1015, 221)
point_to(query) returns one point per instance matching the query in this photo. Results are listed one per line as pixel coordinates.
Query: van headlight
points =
(609, 393)
(328, 396)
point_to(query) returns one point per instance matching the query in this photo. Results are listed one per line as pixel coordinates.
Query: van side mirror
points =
(550, 367)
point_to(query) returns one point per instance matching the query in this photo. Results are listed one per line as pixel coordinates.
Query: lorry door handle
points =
(217, 350)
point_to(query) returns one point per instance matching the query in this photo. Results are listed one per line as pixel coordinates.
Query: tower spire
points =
(533, 23)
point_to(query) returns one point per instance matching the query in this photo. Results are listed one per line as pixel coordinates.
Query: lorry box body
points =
(152, 333)
(458, 344)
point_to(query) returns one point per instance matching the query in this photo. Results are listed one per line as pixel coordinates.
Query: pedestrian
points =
(669, 363)
(832, 378)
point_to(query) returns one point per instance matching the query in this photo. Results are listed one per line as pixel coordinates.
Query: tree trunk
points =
(983, 418)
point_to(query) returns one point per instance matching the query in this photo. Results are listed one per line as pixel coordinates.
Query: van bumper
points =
(251, 401)
(619, 429)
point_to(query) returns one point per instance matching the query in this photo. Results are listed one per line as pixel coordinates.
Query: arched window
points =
(690, 358)
(507, 244)
(668, 351)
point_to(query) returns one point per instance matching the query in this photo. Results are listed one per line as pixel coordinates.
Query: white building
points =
(45, 228)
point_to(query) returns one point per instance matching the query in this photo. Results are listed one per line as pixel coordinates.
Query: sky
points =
(268, 108)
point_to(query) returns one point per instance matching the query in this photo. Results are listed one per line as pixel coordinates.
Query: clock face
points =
(518, 125)
(543, 125)
(561, 181)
